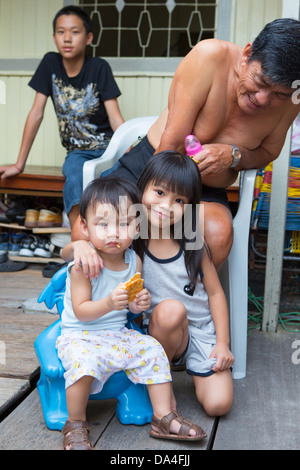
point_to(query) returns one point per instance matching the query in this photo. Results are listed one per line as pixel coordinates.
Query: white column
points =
(277, 216)
(276, 235)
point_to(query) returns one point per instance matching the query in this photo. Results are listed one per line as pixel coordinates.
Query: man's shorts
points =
(132, 164)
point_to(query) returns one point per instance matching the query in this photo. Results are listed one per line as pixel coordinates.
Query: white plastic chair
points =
(234, 274)
(126, 135)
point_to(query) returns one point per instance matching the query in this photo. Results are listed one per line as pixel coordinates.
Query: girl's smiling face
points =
(164, 207)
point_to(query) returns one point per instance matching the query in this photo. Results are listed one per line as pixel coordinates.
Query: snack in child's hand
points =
(134, 286)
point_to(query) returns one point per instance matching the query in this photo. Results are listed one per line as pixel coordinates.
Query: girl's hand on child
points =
(118, 298)
(224, 356)
(142, 301)
(87, 257)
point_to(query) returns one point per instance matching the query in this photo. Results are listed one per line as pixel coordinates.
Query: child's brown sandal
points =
(163, 426)
(76, 436)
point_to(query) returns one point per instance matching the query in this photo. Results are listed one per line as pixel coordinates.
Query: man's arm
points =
(188, 93)
(31, 128)
(271, 146)
(215, 160)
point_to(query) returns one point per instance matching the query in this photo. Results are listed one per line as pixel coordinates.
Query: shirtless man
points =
(227, 96)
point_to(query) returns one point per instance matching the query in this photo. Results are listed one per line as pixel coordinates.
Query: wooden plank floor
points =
(18, 362)
(264, 414)
(24, 427)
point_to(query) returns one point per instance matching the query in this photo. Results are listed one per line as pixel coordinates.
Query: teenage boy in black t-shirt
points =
(84, 94)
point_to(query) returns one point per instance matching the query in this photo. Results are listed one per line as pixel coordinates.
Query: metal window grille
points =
(149, 28)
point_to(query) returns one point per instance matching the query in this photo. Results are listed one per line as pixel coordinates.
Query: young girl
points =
(94, 318)
(188, 313)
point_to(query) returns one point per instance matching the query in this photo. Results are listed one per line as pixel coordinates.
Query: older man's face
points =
(255, 90)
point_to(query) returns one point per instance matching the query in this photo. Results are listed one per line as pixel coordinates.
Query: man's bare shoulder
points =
(216, 48)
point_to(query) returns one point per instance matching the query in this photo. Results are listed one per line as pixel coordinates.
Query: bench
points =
(35, 181)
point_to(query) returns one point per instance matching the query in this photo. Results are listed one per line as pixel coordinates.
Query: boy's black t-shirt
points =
(78, 101)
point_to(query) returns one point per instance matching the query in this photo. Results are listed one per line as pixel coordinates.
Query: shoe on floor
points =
(50, 218)
(9, 266)
(51, 268)
(43, 248)
(28, 246)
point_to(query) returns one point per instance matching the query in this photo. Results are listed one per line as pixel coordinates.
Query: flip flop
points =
(9, 266)
(51, 268)
(163, 426)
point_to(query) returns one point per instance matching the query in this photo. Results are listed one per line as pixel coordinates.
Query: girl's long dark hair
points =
(181, 175)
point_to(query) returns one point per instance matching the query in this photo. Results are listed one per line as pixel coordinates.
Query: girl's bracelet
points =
(16, 166)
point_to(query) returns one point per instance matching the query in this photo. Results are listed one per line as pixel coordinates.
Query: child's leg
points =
(215, 392)
(77, 397)
(147, 363)
(76, 429)
(160, 396)
(168, 323)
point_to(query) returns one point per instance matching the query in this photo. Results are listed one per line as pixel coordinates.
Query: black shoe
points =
(17, 213)
(28, 246)
(51, 268)
(43, 248)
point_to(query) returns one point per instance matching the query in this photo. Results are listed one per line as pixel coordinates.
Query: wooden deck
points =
(264, 415)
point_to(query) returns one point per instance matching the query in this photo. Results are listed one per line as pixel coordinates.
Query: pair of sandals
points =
(76, 432)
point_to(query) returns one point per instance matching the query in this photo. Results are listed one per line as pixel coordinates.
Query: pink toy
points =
(192, 145)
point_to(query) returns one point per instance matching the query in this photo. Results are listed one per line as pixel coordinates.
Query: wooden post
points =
(277, 216)
(276, 235)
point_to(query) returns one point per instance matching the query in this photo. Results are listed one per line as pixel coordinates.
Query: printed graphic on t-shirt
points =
(74, 109)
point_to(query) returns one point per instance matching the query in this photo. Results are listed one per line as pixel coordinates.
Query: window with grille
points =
(149, 28)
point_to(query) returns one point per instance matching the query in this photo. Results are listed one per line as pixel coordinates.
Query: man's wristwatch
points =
(236, 156)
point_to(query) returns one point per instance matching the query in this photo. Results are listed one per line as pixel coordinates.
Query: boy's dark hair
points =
(180, 174)
(277, 48)
(74, 10)
(107, 190)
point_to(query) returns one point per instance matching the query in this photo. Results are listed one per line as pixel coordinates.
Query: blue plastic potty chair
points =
(133, 407)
